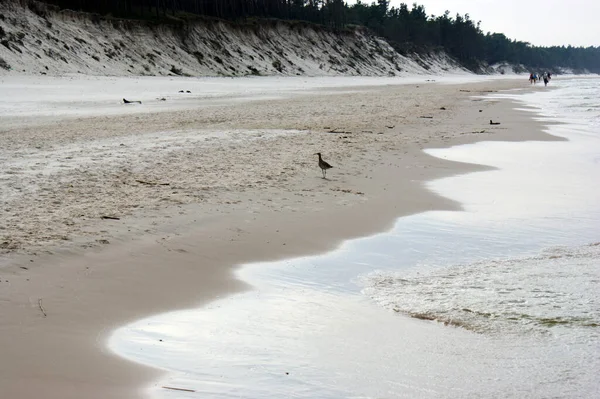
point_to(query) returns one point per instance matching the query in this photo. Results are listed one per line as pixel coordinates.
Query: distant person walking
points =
(545, 79)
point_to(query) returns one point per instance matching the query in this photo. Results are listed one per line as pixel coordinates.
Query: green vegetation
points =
(4, 64)
(176, 71)
(408, 29)
(277, 65)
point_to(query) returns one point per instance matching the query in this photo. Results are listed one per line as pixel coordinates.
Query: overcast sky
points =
(540, 22)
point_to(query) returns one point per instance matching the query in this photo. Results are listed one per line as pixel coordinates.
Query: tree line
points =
(407, 28)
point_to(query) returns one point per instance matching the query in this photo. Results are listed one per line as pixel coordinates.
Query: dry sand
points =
(228, 185)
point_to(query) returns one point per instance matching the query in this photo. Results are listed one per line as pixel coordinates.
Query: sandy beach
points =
(107, 219)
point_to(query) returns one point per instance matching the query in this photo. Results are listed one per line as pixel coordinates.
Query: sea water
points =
(499, 300)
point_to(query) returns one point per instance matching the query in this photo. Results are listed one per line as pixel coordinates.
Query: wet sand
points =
(198, 192)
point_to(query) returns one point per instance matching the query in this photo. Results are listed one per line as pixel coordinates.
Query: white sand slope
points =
(42, 40)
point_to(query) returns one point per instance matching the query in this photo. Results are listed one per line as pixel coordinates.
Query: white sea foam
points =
(553, 292)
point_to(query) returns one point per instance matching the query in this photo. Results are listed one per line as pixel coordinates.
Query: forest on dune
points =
(407, 28)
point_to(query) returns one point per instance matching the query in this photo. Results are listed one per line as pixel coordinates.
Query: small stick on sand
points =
(41, 307)
(152, 184)
(131, 102)
(110, 217)
(179, 389)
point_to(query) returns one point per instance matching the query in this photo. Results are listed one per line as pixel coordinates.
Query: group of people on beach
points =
(534, 78)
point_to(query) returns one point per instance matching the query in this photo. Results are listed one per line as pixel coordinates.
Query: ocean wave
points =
(543, 294)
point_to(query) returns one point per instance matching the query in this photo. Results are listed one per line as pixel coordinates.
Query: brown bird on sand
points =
(323, 165)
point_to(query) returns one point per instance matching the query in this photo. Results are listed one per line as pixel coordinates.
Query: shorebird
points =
(494, 123)
(323, 165)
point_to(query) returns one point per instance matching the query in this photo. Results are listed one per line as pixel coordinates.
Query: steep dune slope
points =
(38, 39)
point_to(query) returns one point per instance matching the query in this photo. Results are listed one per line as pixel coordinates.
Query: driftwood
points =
(149, 183)
(41, 307)
(179, 389)
(131, 102)
(494, 123)
(338, 131)
(426, 117)
(110, 217)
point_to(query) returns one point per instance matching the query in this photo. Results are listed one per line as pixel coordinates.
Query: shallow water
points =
(503, 295)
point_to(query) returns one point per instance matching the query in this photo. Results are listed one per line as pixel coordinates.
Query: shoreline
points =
(88, 276)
